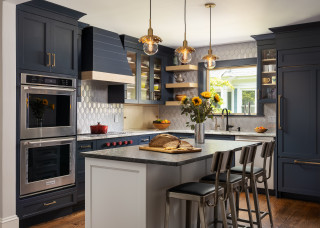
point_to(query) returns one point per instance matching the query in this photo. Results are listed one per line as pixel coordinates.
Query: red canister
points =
(99, 129)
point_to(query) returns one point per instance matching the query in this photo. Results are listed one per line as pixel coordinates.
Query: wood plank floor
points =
(286, 214)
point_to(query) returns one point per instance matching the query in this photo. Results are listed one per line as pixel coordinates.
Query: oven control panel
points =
(47, 80)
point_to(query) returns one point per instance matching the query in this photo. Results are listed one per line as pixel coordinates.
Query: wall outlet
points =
(116, 118)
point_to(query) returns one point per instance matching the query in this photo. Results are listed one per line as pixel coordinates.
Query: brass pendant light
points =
(150, 41)
(185, 51)
(210, 59)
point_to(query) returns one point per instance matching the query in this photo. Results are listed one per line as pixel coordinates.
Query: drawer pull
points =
(304, 162)
(85, 147)
(144, 140)
(48, 204)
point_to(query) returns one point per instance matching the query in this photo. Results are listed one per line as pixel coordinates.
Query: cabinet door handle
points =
(49, 55)
(54, 60)
(305, 162)
(125, 94)
(279, 112)
(85, 147)
(48, 204)
(144, 140)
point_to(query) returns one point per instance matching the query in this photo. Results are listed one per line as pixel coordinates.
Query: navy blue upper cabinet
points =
(47, 38)
(33, 39)
(64, 48)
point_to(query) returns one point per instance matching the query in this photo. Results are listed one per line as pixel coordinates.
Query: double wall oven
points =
(47, 133)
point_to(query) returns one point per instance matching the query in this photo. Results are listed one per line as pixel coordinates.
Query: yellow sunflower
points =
(206, 94)
(217, 98)
(196, 101)
(45, 102)
(183, 99)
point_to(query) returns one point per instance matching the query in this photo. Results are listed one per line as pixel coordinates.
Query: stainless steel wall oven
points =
(46, 164)
(48, 106)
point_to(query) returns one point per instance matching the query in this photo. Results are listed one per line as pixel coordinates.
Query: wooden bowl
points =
(161, 126)
(180, 96)
(261, 130)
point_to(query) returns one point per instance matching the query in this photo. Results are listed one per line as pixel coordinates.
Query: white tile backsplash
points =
(94, 108)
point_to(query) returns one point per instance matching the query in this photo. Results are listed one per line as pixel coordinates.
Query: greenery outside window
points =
(237, 87)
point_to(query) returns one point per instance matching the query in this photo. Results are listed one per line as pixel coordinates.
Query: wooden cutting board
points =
(173, 151)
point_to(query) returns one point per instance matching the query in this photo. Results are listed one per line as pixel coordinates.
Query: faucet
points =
(227, 124)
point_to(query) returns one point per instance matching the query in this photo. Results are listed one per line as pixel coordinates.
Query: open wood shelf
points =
(182, 68)
(269, 72)
(269, 60)
(173, 103)
(182, 85)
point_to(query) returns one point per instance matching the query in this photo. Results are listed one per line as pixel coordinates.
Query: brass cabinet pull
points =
(279, 112)
(85, 147)
(54, 59)
(48, 204)
(305, 162)
(49, 55)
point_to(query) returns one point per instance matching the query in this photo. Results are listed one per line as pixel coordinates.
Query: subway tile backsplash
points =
(94, 108)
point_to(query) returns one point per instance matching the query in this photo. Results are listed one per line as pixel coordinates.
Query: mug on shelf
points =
(266, 80)
(274, 80)
(272, 67)
(265, 68)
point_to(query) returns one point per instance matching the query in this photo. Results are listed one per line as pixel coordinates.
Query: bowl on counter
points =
(161, 126)
(261, 130)
(180, 96)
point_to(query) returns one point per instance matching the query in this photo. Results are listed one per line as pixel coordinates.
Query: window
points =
(237, 88)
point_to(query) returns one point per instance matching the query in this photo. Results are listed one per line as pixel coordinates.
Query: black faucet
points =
(227, 125)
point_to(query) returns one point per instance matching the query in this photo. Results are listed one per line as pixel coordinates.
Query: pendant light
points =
(185, 51)
(150, 41)
(210, 59)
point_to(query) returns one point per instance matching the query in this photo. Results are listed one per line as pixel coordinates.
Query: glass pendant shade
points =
(210, 64)
(150, 48)
(185, 57)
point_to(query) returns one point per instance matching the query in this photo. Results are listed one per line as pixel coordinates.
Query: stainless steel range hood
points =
(104, 58)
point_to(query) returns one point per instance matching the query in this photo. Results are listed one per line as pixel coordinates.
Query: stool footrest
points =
(261, 212)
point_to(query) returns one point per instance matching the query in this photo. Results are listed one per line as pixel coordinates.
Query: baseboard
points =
(9, 222)
(299, 197)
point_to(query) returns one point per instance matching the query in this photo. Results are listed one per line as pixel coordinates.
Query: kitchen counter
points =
(130, 183)
(155, 131)
(133, 154)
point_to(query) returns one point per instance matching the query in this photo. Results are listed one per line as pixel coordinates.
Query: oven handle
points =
(48, 141)
(49, 88)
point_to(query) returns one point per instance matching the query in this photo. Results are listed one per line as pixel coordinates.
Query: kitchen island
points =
(125, 187)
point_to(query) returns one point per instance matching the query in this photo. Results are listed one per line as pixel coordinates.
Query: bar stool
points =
(202, 193)
(236, 183)
(254, 173)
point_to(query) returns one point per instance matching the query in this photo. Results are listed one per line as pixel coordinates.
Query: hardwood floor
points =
(286, 214)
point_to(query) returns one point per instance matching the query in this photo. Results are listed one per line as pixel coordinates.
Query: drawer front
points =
(221, 137)
(298, 178)
(84, 146)
(299, 57)
(49, 204)
(145, 139)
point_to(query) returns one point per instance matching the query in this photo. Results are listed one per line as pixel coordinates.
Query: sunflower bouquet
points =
(199, 108)
(39, 106)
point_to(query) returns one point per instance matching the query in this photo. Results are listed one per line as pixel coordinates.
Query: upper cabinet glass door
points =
(268, 75)
(145, 78)
(157, 76)
(131, 89)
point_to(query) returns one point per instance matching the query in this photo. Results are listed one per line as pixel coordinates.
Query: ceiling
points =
(233, 20)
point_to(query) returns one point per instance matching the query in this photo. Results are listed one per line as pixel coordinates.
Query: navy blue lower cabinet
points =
(296, 176)
(221, 137)
(183, 135)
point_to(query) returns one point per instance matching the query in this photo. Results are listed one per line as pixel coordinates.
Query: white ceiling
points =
(233, 20)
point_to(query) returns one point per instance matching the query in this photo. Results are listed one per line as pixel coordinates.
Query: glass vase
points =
(39, 122)
(199, 133)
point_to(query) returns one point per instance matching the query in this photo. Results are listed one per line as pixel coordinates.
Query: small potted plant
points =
(161, 124)
(199, 109)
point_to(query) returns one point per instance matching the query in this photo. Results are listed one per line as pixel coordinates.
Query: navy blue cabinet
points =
(298, 106)
(47, 38)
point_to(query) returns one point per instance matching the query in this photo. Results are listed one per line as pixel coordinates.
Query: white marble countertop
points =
(155, 131)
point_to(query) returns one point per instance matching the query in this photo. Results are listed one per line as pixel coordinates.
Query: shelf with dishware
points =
(178, 68)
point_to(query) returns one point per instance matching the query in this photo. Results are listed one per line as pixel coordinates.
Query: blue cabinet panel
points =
(298, 178)
(299, 57)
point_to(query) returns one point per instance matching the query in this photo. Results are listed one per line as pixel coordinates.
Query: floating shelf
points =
(182, 85)
(269, 60)
(182, 68)
(173, 103)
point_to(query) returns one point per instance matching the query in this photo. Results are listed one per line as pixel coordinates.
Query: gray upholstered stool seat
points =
(194, 188)
(222, 178)
(238, 169)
